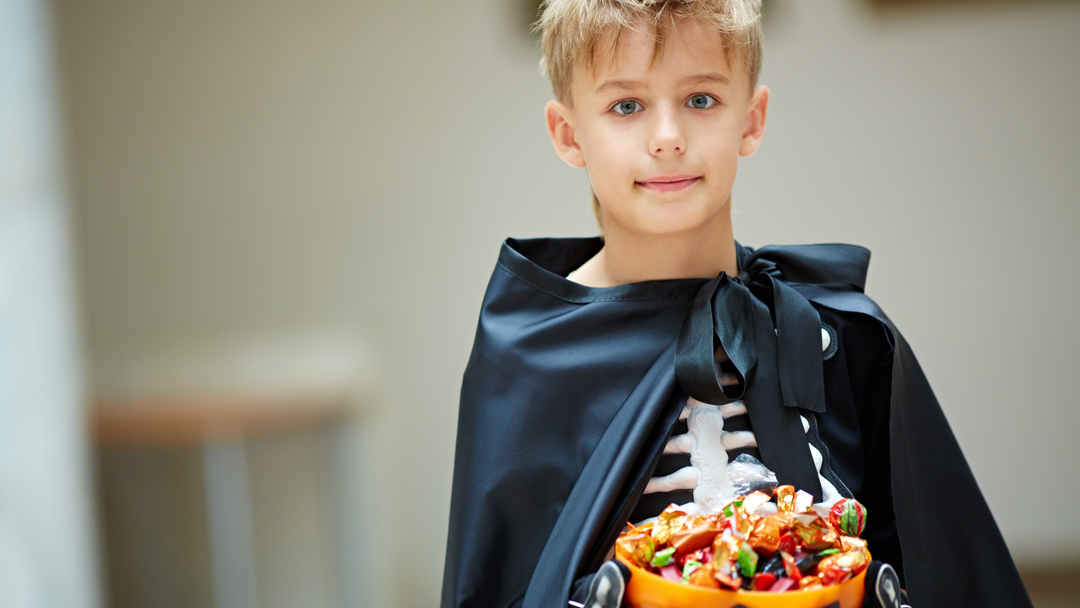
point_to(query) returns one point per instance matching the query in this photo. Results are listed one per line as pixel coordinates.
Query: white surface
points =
(319, 361)
(229, 523)
(47, 554)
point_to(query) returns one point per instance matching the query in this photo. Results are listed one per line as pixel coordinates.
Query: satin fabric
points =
(571, 391)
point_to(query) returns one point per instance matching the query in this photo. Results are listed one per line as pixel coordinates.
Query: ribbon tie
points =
(772, 335)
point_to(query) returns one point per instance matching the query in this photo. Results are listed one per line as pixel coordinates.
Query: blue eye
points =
(701, 101)
(627, 107)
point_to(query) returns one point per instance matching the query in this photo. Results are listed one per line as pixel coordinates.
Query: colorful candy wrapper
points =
(667, 524)
(848, 516)
(762, 582)
(788, 543)
(855, 558)
(813, 533)
(737, 518)
(764, 535)
(730, 508)
(698, 537)
(808, 563)
(784, 584)
(804, 501)
(832, 573)
(703, 577)
(790, 568)
(839, 567)
(636, 548)
(785, 499)
(662, 558)
(794, 548)
(688, 569)
(754, 501)
(784, 519)
(774, 566)
(850, 543)
(748, 559)
(748, 474)
(724, 561)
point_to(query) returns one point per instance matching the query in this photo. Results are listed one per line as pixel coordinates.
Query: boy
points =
(613, 376)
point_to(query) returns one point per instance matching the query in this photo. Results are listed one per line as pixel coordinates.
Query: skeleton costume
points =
(572, 421)
(693, 470)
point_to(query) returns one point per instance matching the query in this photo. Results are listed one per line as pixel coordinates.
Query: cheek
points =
(608, 162)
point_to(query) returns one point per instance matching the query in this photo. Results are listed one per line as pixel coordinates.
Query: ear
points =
(754, 130)
(563, 134)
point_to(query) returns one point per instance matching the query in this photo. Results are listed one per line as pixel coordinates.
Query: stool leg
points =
(228, 508)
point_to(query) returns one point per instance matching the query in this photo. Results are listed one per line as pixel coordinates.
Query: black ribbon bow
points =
(772, 335)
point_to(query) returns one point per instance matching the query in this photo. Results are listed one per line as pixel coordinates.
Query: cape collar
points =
(767, 328)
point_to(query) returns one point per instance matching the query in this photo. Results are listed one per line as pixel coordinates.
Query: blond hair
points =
(572, 30)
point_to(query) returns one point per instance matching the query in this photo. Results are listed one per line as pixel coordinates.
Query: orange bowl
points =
(648, 590)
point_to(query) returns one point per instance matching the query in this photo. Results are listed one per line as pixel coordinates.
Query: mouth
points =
(668, 183)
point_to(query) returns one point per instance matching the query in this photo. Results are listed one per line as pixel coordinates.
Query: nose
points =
(668, 135)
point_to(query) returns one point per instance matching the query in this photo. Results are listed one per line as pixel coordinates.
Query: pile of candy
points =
(792, 549)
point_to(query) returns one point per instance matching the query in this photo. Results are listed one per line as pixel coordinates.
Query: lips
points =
(668, 183)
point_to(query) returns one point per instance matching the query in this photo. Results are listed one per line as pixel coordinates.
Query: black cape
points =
(570, 394)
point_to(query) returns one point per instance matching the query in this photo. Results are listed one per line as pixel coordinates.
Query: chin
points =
(675, 225)
(669, 229)
(670, 220)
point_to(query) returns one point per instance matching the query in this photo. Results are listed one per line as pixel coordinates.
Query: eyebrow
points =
(631, 85)
(710, 78)
(618, 85)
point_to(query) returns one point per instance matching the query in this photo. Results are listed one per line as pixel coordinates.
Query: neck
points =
(632, 258)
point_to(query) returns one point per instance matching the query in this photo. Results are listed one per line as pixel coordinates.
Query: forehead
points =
(638, 51)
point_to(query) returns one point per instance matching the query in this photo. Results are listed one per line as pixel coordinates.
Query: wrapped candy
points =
(809, 582)
(662, 558)
(774, 567)
(788, 543)
(703, 577)
(841, 566)
(724, 564)
(748, 547)
(784, 518)
(813, 533)
(636, 548)
(738, 519)
(808, 565)
(790, 567)
(832, 573)
(667, 524)
(763, 581)
(754, 501)
(804, 501)
(748, 559)
(856, 559)
(848, 516)
(748, 474)
(850, 543)
(689, 567)
(784, 584)
(700, 536)
(785, 499)
(764, 535)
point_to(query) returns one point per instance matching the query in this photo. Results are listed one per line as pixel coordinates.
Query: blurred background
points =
(243, 247)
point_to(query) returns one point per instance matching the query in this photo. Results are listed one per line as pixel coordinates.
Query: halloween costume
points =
(571, 394)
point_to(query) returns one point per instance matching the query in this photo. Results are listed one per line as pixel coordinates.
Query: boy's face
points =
(660, 139)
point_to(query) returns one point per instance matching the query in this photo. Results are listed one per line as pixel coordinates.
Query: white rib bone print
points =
(708, 444)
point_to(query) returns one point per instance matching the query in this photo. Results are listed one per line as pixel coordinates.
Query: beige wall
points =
(250, 166)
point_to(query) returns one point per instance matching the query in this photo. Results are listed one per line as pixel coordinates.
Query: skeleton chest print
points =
(693, 470)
